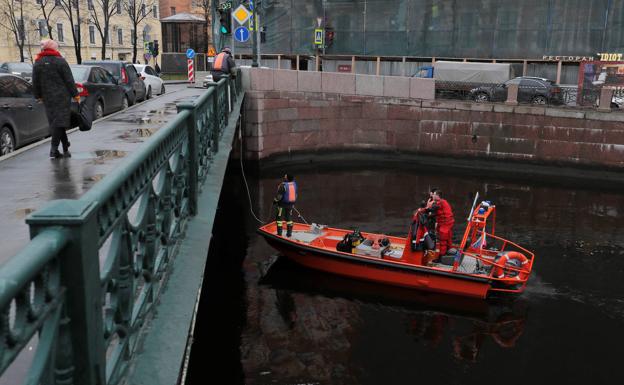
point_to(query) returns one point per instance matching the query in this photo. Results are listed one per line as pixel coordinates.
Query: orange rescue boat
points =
(483, 264)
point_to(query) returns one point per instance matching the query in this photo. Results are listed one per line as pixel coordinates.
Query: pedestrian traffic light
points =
(225, 20)
(155, 52)
(329, 37)
(263, 34)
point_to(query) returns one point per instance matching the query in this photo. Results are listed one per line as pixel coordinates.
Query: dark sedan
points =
(530, 90)
(99, 89)
(22, 118)
(126, 75)
(17, 68)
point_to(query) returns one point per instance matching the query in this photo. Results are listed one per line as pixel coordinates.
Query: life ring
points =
(499, 272)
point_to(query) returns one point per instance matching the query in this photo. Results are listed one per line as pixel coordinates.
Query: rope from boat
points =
(301, 216)
(240, 138)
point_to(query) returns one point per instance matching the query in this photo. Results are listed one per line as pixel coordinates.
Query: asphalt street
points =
(30, 178)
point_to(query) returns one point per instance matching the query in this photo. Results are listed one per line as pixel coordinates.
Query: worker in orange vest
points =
(223, 64)
(285, 201)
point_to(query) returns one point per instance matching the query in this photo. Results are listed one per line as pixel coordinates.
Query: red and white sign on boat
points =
(191, 71)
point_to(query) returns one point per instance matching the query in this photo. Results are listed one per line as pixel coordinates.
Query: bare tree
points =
(47, 7)
(101, 12)
(206, 6)
(12, 19)
(138, 10)
(72, 11)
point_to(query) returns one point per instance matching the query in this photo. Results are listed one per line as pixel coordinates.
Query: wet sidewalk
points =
(30, 178)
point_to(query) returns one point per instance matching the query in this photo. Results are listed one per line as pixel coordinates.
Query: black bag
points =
(81, 116)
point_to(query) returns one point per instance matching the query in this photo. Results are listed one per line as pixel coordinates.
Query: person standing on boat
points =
(444, 220)
(285, 201)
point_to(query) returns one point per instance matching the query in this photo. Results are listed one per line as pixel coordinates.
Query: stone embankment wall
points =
(288, 111)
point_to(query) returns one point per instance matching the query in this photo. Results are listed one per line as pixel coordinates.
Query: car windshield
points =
(22, 67)
(80, 73)
(139, 68)
(110, 67)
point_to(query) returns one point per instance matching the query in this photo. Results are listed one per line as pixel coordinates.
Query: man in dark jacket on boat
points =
(444, 220)
(285, 201)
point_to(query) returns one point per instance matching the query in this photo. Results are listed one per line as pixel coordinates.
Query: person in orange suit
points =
(444, 220)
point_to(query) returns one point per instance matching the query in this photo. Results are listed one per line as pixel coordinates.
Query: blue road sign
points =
(241, 34)
(190, 53)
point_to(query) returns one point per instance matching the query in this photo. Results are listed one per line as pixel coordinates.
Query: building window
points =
(20, 29)
(57, 3)
(120, 36)
(59, 32)
(155, 11)
(42, 28)
(173, 10)
(39, 1)
(108, 37)
(90, 4)
(119, 7)
(132, 36)
(92, 34)
(143, 10)
(145, 36)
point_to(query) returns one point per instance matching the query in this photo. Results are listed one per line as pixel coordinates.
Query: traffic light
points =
(225, 19)
(155, 52)
(263, 34)
(329, 37)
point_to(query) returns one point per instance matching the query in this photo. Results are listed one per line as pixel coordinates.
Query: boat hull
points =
(380, 271)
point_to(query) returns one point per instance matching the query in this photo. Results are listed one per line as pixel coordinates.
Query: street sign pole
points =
(254, 62)
(232, 35)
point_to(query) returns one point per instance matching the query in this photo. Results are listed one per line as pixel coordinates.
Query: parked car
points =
(155, 85)
(17, 68)
(22, 118)
(126, 76)
(99, 89)
(530, 90)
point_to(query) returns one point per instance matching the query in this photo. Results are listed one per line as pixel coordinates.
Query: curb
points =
(46, 140)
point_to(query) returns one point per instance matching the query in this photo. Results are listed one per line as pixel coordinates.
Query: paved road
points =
(30, 179)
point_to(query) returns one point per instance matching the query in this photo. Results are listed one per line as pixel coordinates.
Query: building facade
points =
(33, 29)
(486, 29)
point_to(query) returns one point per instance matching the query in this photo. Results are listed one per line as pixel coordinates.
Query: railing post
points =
(512, 95)
(80, 275)
(606, 96)
(193, 162)
(216, 127)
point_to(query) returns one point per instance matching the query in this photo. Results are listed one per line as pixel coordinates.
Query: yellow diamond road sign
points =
(241, 14)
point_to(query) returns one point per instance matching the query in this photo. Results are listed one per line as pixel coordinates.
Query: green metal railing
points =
(87, 282)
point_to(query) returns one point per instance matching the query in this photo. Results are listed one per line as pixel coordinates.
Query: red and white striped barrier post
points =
(191, 71)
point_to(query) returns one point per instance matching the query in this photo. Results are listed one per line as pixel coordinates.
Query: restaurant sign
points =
(567, 58)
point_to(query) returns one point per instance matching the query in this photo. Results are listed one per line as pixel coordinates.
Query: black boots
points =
(279, 231)
(289, 230)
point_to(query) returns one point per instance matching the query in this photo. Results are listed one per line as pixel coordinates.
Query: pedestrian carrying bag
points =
(81, 116)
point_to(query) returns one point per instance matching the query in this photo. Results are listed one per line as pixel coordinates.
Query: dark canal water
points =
(263, 320)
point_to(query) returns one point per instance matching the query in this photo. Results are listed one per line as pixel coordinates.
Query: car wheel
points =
(539, 99)
(481, 97)
(149, 93)
(124, 103)
(7, 141)
(99, 110)
(162, 89)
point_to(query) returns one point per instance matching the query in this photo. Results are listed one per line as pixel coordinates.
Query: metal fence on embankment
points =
(92, 273)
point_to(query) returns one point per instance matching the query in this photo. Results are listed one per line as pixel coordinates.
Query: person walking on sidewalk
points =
(54, 84)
